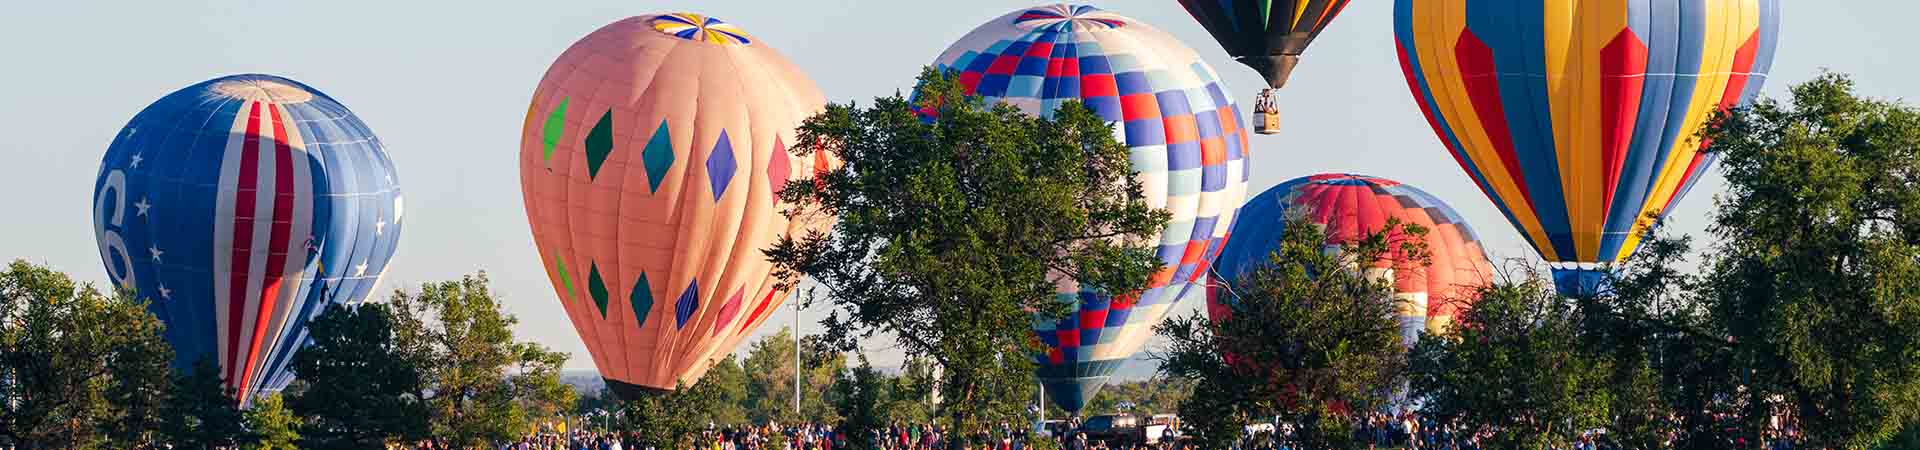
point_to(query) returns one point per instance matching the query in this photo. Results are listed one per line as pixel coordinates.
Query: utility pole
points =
(796, 358)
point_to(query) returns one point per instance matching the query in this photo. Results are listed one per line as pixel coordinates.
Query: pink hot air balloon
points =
(650, 161)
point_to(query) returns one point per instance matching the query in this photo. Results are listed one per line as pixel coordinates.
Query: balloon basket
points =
(1266, 113)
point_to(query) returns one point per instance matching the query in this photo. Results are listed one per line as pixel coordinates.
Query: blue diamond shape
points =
(683, 309)
(720, 165)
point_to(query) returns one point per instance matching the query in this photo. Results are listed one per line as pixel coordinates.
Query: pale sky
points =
(445, 85)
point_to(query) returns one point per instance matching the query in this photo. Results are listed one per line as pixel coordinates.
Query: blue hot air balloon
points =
(241, 207)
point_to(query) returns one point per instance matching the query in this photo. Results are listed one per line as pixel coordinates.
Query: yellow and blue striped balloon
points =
(1581, 119)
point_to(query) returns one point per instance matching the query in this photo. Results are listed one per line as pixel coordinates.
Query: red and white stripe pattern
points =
(265, 215)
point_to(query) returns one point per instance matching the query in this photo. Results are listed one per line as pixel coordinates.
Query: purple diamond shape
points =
(720, 165)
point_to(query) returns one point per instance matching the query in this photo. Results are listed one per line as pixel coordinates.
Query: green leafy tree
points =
(1310, 338)
(728, 383)
(1516, 364)
(274, 426)
(201, 412)
(480, 385)
(769, 373)
(1155, 396)
(77, 367)
(954, 232)
(864, 397)
(362, 390)
(669, 420)
(1812, 281)
(1802, 308)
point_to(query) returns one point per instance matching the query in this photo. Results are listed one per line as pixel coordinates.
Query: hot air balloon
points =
(241, 207)
(1580, 120)
(1350, 207)
(1267, 35)
(650, 161)
(1165, 104)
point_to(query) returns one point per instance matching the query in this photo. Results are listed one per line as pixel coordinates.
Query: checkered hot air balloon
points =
(650, 162)
(1350, 207)
(1582, 119)
(241, 207)
(1188, 146)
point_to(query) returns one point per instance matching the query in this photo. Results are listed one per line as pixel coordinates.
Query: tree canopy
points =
(78, 368)
(957, 223)
(1309, 337)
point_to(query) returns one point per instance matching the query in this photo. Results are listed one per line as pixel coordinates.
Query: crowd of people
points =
(771, 436)
(1376, 430)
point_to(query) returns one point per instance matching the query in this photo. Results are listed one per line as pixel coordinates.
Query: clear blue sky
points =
(445, 84)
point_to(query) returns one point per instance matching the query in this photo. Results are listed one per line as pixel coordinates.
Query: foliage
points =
(201, 411)
(362, 391)
(670, 419)
(1160, 395)
(727, 382)
(1812, 279)
(769, 372)
(953, 232)
(1308, 338)
(274, 426)
(1802, 309)
(1515, 364)
(77, 367)
(861, 397)
(480, 384)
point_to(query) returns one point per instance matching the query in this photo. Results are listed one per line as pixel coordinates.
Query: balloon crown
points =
(700, 28)
(261, 88)
(1068, 18)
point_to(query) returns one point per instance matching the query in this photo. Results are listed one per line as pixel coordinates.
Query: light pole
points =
(796, 358)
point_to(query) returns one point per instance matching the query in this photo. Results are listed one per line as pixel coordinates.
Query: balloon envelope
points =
(650, 161)
(241, 207)
(1188, 148)
(1267, 35)
(1350, 207)
(1580, 119)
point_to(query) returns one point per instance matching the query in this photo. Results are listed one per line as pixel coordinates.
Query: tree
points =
(1801, 310)
(76, 366)
(274, 427)
(480, 385)
(861, 396)
(954, 232)
(1308, 338)
(728, 383)
(1516, 365)
(769, 373)
(670, 419)
(362, 391)
(1812, 281)
(201, 412)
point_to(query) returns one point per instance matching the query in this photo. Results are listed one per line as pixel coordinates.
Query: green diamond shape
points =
(565, 281)
(642, 299)
(658, 157)
(599, 144)
(597, 288)
(550, 134)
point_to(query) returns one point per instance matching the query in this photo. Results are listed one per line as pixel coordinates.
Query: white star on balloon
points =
(166, 294)
(155, 251)
(360, 270)
(142, 206)
(136, 160)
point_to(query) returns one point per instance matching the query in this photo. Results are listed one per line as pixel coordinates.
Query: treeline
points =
(81, 368)
(1796, 326)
